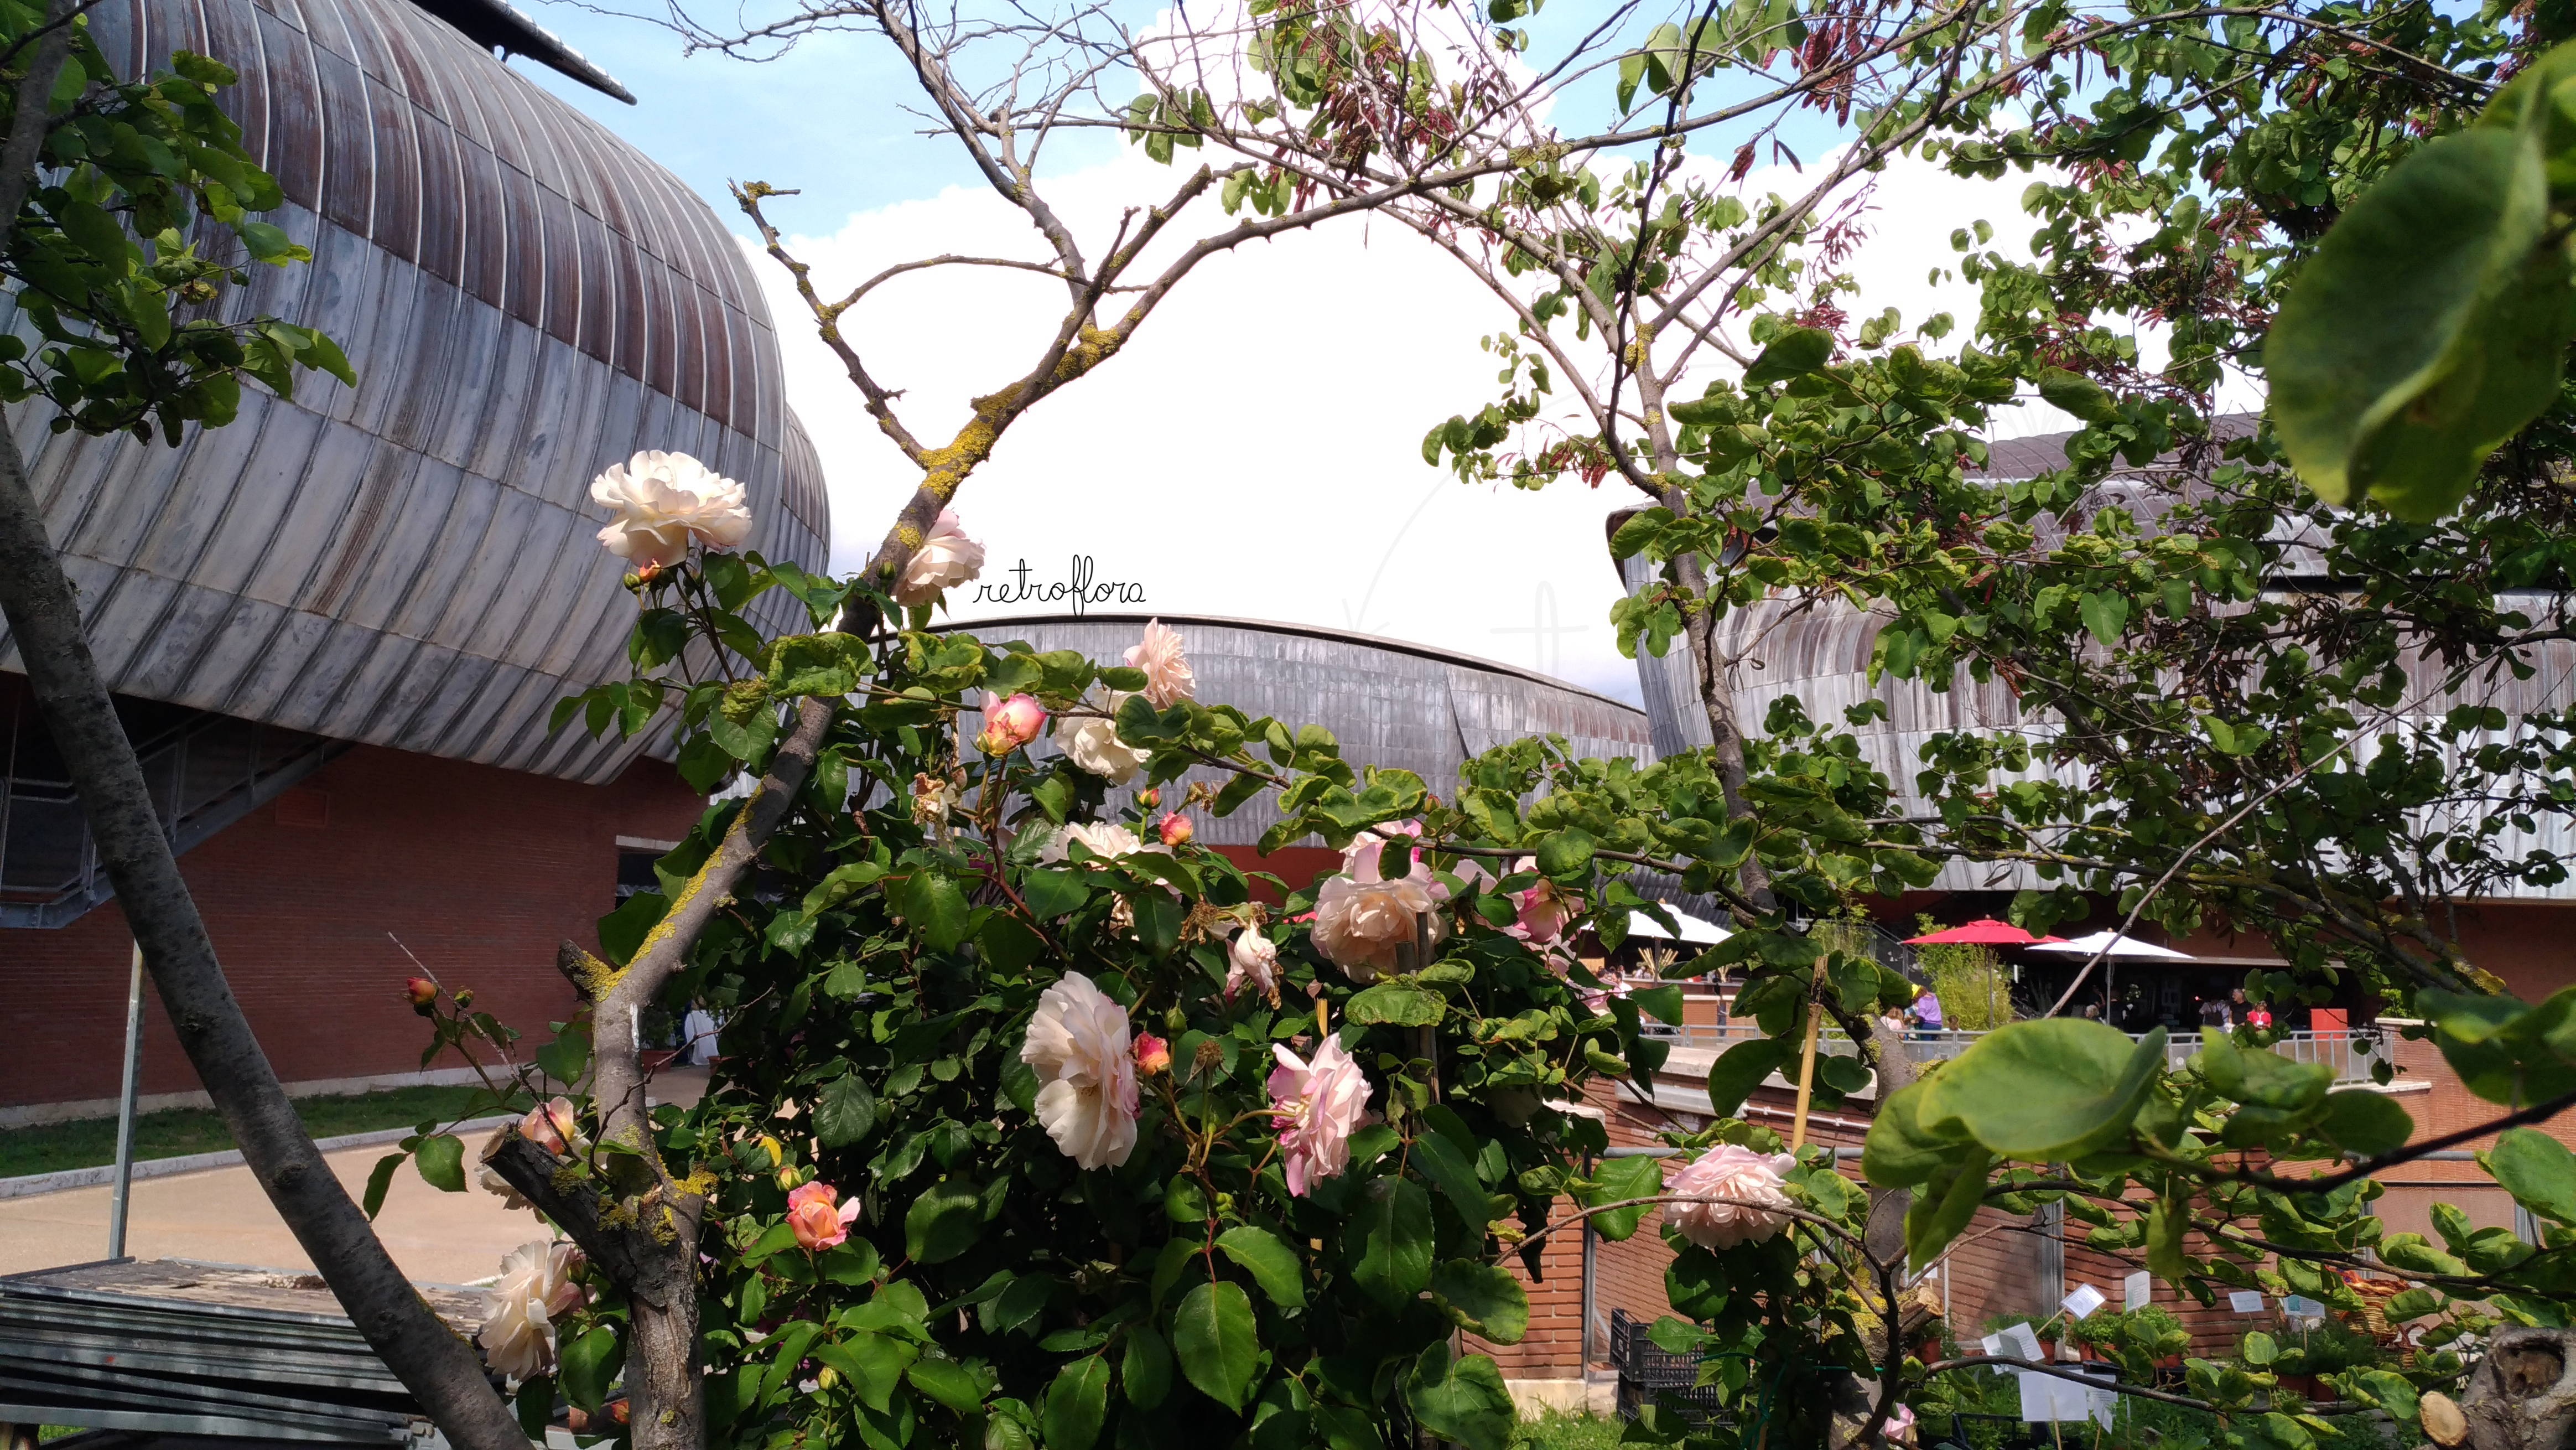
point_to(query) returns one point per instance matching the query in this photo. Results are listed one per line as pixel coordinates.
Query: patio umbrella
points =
(2112, 944)
(1984, 931)
(1694, 930)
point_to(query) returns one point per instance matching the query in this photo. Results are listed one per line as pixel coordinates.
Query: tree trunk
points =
(2522, 1396)
(44, 619)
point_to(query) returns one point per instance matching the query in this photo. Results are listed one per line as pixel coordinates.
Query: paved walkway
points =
(221, 1215)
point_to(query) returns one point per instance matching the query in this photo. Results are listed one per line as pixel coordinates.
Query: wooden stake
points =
(1807, 1061)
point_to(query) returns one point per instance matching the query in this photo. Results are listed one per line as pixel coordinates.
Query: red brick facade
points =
(479, 871)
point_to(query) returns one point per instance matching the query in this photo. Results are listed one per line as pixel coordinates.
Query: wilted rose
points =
(1252, 960)
(663, 501)
(945, 560)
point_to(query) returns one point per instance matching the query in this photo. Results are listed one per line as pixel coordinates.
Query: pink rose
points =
(1316, 1106)
(1168, 676)
(816, 1222)
(1748, 1181)
(554, 1127)
(1176, 830)
(1153, 1054)
(1010, 724)
(1362, 919)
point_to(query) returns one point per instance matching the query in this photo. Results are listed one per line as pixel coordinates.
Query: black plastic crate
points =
(1648, 1375)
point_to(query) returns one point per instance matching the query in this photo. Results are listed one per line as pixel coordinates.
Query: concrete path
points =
(221, 1215)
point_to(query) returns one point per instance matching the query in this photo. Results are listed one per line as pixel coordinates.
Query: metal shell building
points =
(1389, 703)
(336, 627)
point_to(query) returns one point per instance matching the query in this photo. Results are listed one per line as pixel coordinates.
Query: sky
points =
(1256, 452)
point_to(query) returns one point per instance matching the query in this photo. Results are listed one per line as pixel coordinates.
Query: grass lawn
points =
(91, 1142)
(1553, 1431)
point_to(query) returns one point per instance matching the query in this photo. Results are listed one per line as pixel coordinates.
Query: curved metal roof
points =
(412, 562)
(1390, 703)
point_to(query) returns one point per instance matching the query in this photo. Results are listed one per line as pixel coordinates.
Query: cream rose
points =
(1361, 919)
(1252, 960)
(1101, 838)
(1092, 744)
(665, 500)
(945, 560)
(534, 1290)
(1168, 676)
(1750, 1182)
(1086, 1068)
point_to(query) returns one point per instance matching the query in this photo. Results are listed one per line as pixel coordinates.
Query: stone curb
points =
(70, 1178)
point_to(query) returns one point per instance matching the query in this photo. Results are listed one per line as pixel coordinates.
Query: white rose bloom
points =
(1102, 838)
(493, 1183)
(1168, 676)
(662, 501)
(534, 1290)
(1086, 1070)
(1749, 1181)
(1092, 744)
(1362, 919)
(945, 560)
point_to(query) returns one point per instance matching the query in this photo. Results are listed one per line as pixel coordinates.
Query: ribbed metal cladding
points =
(1820, 652)
(1390, 704)
(412, 562)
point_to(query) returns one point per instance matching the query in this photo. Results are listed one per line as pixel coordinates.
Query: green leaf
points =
(1943, 1206)
(381, 1181)
(2393, 1393)
(945, 1380)
(1483, 1298)
(1617, 1180)
(933, 905)
(2104, 616)
(2167, 1223)
(590, 1365)
(1462, 1399)
(2260, 1348)
(1399, 1004)
(2367, 1123)
(535, 1402)
(944, 1221)
(2536, 1169)
(1663, 1003)
(624, 930)
(1146, 1373)
(1567, 853)
(1214, 1336)
(1272, 1264)
(845, 1111)
(1076, 1404)
(1387, 1240)
(2045, 1091)
(1742, 1068)
(2258, 1077)
(1051, 894)
(1796, 352)
(441, 1160)
(2079, 395)
(1447, 1165)
(2428, 328)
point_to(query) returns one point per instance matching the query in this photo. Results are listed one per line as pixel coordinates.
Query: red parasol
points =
(1984, 931)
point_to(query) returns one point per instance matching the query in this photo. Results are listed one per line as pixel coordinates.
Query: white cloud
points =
(1256, 451)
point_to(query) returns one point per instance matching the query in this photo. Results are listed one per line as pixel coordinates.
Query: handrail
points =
(2352, 1052)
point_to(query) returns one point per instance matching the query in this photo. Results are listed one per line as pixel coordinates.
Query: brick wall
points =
(479, 871)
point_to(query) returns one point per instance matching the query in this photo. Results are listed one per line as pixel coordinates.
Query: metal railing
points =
(2351, 1054)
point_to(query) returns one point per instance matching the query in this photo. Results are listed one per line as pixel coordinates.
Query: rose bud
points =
(1009, 724)
(1177, 830)
(423, 993)
(1149, 797)
(1153, 1054)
